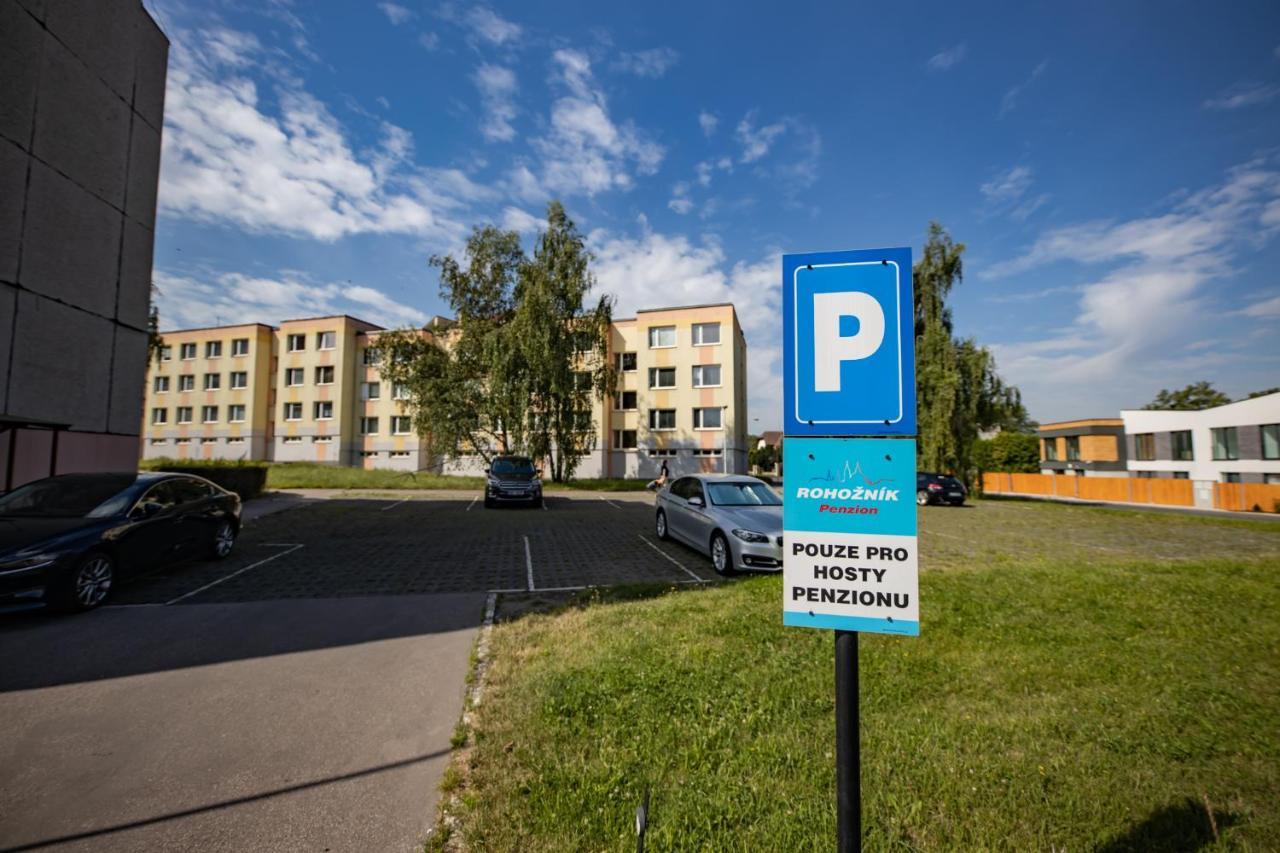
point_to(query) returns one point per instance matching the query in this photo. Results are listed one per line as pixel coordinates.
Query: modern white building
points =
(1235, 443)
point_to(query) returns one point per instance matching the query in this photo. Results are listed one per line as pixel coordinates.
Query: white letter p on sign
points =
(829, 347)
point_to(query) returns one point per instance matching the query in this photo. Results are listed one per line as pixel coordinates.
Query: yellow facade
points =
(313, 392)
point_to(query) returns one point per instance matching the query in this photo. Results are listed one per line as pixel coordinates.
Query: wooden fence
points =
(1245, 497)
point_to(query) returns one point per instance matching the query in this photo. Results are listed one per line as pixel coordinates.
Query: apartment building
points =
(682, 394)
(311, 390)
(1093, 447)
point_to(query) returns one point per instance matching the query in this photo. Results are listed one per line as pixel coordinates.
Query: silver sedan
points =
(735, 520)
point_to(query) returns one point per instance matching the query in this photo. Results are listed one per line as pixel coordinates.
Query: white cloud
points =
(497, 85)
(1245, 94)
(584, 151)
(515, 219)
(654, 270)
(708, 123)
(1150, 296)
(1010, 100)
(1007, 193)
(230, 158)
(944, 60)
(429, 40)
(756, 142)
(680, 201)
(395, 13)
(196, 300)
(484, 25)
(1266, 309)
(651, 63)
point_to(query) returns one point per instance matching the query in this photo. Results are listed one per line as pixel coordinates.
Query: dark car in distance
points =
(939, 489)
(512, 479)
(69, 540)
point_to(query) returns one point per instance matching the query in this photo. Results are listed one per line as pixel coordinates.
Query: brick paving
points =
(363, 547)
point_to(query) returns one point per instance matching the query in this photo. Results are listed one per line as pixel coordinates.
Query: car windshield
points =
(512, 466)
(742, 494)
(69, 497)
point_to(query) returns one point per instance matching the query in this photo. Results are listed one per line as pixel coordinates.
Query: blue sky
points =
(1113, 168)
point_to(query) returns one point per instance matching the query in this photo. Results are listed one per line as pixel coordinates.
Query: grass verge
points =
(1121, 706)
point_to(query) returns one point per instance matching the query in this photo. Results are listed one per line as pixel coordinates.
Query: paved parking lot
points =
(299, 695)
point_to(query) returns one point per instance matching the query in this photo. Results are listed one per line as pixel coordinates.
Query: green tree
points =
(467, 393)
(1193, 398)
(563, 345)
(763, 458)
(958, 390)
(1262, 393)
(1013, 452)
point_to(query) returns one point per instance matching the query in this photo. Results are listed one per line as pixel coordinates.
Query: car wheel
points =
(922, 498)
(488, 504)
(87, 585)
(224, 539)
(660, 526)
(721, 556)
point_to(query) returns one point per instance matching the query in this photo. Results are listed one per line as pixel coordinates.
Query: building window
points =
(625, 402)
(182, 441)
(1181, 440)
(1145, 475)
(292, 439)
(399, 391)
(399, 454)
(371, 390)
(322, 410)
(187, 382)
(1145, 446)
(624, 439)
(1182, 475)
(166, 353)
(662, 419)
(401, 425)
(625, 362)
(1050, 450)
(662, 454)
(1231, 476)
(1271, 441)
(184, 414)
(708, 452)
(235, 439)
(293, 376)
(1226, 444)
(662, 377)
(209, 414)
(368, 454)
(240, 346)
(371, 356)
(239, 379)
(212, 381)
(705, 334)
(324, 375)
(1073, 448)
(325, 340)
(368, 426)
(208, 441)
(293, 411)
(159, 416)
(706, 376)
(581, 381)
(161, 384)
(322, 439)
(662, 337)
(707, 418)
(187, 352)
(213, 349)
(156, 442)
(235, 413)
(297, 343)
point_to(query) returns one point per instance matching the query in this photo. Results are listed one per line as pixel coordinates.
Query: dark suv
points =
(939, 489)
(512, 479)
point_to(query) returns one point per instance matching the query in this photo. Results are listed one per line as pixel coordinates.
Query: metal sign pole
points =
(848, 758)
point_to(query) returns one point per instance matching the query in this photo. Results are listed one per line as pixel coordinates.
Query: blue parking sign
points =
(848, 343)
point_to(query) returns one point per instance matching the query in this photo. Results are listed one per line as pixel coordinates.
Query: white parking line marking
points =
(470, 505)
(394, 505)
(674, 562)
(291, 548)
(576, 588)
(544, 504)
(528, 561)
(611, 503)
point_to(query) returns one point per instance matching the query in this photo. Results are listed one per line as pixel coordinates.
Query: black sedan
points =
(68, 540)
(939, 489)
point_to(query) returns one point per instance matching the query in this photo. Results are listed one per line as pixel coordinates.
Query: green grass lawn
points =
(1083, 681)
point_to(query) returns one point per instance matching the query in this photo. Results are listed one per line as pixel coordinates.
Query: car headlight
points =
(35, 561)
(750, 536)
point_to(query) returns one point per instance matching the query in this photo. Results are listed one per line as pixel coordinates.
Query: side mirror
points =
(697, 501)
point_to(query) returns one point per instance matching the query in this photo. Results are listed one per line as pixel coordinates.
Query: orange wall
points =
(1108, 489)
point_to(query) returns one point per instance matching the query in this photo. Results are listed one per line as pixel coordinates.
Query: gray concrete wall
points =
(81, 109)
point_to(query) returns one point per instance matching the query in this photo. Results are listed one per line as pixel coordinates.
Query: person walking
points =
(663, 474)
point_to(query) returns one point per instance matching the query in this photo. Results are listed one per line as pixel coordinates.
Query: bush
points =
(245, 478)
